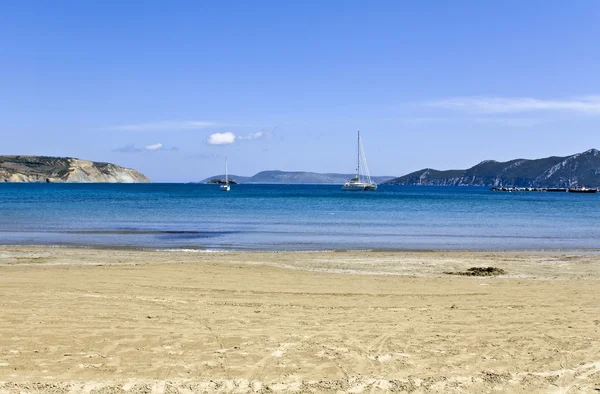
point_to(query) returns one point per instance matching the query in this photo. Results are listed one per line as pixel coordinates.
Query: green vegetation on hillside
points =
(579, 169)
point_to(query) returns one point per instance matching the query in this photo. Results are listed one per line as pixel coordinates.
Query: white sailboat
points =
(225, 187)
(362, 181)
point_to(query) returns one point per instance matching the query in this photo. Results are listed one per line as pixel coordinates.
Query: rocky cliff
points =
(578, 169)
(64, 169)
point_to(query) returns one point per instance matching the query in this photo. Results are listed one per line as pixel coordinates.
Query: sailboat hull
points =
(359, 187)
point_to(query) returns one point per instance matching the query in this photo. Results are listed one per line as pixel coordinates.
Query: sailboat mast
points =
(358, 158)
(226, 179)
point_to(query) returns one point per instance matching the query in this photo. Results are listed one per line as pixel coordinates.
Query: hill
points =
(295, 177)
(64, 169)
(578, 169)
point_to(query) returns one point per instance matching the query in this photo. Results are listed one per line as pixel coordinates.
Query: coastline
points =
(314, 249)
(114, 320)
(530, 264)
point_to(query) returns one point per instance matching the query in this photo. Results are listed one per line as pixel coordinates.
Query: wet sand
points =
(91, 320)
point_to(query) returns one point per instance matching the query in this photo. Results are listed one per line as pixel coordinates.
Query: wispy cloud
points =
(127, 149)
(255, 136)
(173, 125)
(512, 121)
(148, 148)
(160, 147)
(230, 138)
(202, 156)
(497, 105)
(221, 138)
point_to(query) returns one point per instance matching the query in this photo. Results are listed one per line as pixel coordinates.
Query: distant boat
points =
(582, 189)
(362, 181)
(225, 187)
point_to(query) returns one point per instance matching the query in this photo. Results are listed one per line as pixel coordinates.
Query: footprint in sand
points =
(380, 357)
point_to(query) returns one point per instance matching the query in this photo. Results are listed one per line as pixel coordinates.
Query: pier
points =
(544, 189)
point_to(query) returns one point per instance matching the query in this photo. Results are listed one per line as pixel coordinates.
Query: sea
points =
(202, 218)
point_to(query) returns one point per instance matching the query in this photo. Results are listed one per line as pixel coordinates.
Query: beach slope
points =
(94, 320)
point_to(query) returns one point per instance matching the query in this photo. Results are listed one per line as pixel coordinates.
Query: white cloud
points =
(221, 138)
(158, 146)
(230, 138)
(168, 125)
(496, 105)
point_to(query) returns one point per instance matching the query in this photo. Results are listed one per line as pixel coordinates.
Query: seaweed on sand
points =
(479, 271)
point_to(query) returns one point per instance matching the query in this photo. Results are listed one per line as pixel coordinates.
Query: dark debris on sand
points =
(479, 271)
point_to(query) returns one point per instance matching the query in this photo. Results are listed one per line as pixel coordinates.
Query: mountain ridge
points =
(554, 171)
(294, 177)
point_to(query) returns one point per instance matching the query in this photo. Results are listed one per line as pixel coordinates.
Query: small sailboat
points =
(362, 181)
(225, 187)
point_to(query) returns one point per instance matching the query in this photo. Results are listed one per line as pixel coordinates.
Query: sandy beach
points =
(77, 320)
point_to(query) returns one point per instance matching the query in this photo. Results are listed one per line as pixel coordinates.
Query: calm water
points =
(291, 217)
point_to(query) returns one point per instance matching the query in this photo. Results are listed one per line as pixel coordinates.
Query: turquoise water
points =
(296, 217)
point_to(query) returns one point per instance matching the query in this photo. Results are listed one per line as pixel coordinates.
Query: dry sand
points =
(92, 320)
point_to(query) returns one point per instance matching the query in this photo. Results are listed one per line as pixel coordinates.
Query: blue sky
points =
(170, 88)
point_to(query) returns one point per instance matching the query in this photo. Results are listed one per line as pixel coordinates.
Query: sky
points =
(172, 87)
